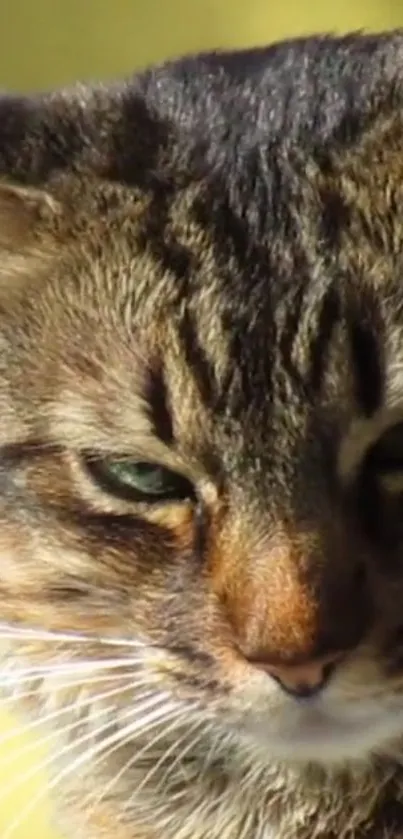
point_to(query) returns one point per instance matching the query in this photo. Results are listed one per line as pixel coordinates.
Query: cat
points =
(201, 443)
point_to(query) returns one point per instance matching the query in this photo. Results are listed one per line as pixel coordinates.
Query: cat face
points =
(201, 459)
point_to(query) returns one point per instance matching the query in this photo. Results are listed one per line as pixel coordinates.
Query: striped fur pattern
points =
(202, 269)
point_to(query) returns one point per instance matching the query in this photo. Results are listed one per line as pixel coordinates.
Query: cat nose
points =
(302, 680)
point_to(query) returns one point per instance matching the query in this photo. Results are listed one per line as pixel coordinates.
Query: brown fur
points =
(120, 309)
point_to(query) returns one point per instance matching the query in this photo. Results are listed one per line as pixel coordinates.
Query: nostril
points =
(303, 680)
(302, 691)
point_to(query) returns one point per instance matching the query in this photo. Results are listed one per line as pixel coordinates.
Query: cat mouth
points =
(321, 735)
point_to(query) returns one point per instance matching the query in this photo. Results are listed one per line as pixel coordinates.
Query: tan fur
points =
(278, 576)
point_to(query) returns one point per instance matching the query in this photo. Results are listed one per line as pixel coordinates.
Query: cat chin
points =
(317, 735)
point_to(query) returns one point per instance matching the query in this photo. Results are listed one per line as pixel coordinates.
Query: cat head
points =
(201, 442)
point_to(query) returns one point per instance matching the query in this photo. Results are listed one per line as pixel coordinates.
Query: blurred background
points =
(53, 42)
(49, 42)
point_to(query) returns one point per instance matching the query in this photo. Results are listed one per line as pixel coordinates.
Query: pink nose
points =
(302, 679)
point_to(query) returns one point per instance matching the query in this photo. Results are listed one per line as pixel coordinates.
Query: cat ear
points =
(30, 222)
(29, 236)
(28, 218)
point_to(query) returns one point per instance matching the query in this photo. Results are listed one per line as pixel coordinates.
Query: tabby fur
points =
(201, 267)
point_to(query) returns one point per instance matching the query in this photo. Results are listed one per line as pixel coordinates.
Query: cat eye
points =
(385, 459)
(133, 480)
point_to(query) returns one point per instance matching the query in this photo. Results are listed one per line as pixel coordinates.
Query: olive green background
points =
(48, 42)
(44, 43)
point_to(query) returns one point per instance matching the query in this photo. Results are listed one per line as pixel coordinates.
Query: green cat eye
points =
(385, 460)
(134, 480)
(387, 453)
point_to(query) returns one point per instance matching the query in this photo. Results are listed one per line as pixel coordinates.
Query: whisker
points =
(62, 731)
(68, 667)
(134, 758)
(44, 764)
(161, 761)
(208, 759)
(42, 741)
(129, 729)
(70, 746)
(10, 632)
(79, 703)
(179, 756)
(71, 683)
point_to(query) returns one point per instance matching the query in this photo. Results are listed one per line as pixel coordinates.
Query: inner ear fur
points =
(30, 237)
(28, 218)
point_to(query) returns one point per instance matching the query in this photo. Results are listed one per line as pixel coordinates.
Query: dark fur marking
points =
(335, 219)
(201, 367)
(158, 404)
(320, 342)
(367, 362)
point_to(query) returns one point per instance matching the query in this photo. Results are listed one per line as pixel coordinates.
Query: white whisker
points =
(67, 728)
(129, 729)
(43, 765)
(18, 673)
(179, 757)
(8, 631)
(154, 768)
(70, 746)
(71, 683)
(209, 757)
(134, 758)
(79, 703)
(42, 741)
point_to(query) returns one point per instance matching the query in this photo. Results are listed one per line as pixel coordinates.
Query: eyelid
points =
(387, 451)
(362, 439)
(87, 492)
(392, 482)
(385, 460)
(166, 459)
(179, 488)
